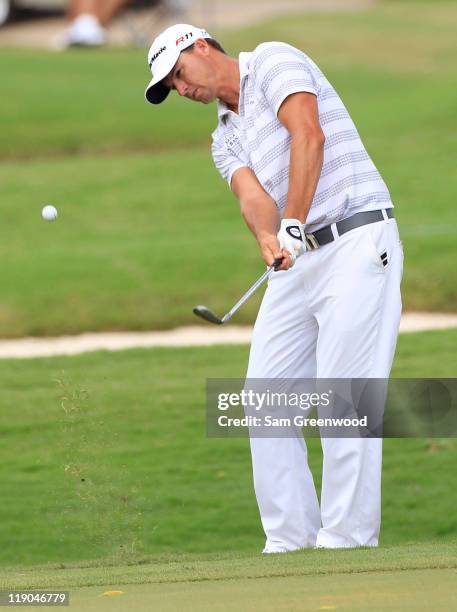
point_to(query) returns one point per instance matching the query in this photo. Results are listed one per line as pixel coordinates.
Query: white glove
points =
(291, 238)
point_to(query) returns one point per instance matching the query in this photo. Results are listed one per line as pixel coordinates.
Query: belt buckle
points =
(311, 242)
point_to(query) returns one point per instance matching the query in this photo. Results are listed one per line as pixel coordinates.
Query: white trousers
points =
(335, 314)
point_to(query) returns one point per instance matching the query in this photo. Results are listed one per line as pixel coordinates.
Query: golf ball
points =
(49, 213)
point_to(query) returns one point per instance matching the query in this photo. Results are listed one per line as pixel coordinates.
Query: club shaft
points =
(248, 293)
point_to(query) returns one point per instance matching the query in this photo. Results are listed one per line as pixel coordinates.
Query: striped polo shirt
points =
(349, 181)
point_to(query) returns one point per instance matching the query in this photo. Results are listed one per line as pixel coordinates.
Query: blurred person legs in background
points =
(88, 21)
(89, 18)
(5, 9)
(176, 7)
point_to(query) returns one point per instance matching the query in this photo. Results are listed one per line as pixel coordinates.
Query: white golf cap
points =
(164, 54)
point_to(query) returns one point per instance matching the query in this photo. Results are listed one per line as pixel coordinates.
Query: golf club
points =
(208, 315)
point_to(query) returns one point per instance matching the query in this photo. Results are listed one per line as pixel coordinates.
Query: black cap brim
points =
(156, 94)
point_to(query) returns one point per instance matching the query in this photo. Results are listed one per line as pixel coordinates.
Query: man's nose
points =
(181, 88)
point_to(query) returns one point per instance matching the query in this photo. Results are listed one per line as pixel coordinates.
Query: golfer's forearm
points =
(261, 216)
(257, 207)
(306, 158)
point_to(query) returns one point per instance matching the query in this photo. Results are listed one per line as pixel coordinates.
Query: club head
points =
(205, 313)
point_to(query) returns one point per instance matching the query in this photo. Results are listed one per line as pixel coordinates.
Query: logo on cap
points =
(156, 55)
(183, 38)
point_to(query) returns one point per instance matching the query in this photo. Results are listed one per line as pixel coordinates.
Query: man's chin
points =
(204, 99)
(209, 100)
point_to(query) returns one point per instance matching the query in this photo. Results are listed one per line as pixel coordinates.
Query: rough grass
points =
(78, 102)
(105, 456)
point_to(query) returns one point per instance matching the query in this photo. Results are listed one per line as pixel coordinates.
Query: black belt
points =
(325, 235)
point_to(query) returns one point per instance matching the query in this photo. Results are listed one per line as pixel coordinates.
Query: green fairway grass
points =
(379, 592)
(105, 456)
(147, 228)
(134, 249)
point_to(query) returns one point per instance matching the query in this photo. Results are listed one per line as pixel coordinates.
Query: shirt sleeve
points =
(227, 162)
(281, 70)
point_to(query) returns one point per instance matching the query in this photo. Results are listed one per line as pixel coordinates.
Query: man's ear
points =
(202, 46)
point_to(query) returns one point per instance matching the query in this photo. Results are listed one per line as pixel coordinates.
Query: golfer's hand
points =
(291, 238)
(269, 246)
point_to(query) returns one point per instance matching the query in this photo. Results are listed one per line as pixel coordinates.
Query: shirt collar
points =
(243, 59)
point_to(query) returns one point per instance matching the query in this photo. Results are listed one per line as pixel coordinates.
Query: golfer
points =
(311, 194)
